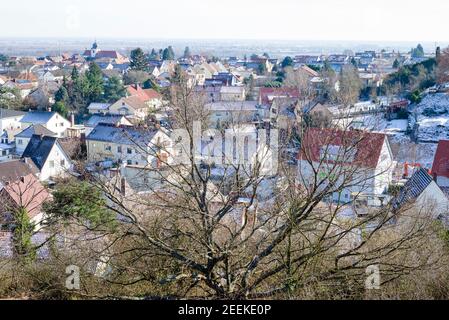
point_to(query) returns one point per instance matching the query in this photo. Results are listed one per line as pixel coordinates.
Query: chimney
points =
(49, 109)
(72, 119)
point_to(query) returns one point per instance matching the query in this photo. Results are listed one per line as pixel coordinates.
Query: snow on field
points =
(432, 116)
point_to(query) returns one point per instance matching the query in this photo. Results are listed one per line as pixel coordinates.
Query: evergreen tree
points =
(261, 69)
(438, 54)
(62, 94)
(396, 64)
(418, 52)
(22, 234)
(287, 62)
(75, 74)
(154, 55)
(168, 54)
(187, 53)
(139, 60)
(61, 108)
(95, 83)
(172, 52)
(114, 90)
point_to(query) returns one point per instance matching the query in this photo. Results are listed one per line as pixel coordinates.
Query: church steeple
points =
(94, 50)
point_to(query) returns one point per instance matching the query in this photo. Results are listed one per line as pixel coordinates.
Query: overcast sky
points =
(379, 20)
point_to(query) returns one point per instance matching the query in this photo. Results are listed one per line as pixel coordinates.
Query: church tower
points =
(94, 50)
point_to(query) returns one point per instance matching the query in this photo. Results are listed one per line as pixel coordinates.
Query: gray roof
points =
(39, 149)
(122, 135)
(233, 106)
(12, 170)
(99, 106)
(413, 188)
(37, 129)
(6, 113)
(97, 119)
(37, 117)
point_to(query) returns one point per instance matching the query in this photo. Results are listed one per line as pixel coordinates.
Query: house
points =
(267, 95)
(95, 120)
(232, 93)
(150, 97)
(131, 106)
(53, 121)
(210, 93)
(19, 187)
(422, 191)
(98, 108)
(283, 113)
(111, 55)
(6, 148)
(10, 119)
(24, 192)
(359, 163)
(14, 169)
(44, 96)
(135, 146)
(23, 138)
(224, 113)
(24, 87)
(337, 61)
(226, 78)
(240, 145)
(49, 157)
(440, 169)
(316, 111)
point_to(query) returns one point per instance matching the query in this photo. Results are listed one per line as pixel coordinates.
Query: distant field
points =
(220, 48)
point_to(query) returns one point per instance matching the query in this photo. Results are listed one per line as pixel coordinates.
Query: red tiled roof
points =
(26, 192)
(441, 162)
(137, 91)
(265, 93)
(143, 94)
(310, 71)
(152, 94)
(367, 145)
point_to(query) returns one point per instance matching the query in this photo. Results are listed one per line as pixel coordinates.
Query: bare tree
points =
(244, 233)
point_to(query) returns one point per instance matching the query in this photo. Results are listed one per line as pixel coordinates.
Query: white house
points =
(23, 138)
(131, 106)
(53, 121)
(49, 157)
(422, 191)
(10, 120)
(98, 108)
(358, 163)
(133, 146)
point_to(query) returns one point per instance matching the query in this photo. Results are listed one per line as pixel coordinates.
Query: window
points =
(107, 148)
(62, 124)
(119, 149)
(51, 164)
(20, 142)
(129, 151)
(4, 153)
(62, 163)
(129, 162)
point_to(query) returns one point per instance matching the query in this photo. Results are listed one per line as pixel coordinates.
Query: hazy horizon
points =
(289, 20)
